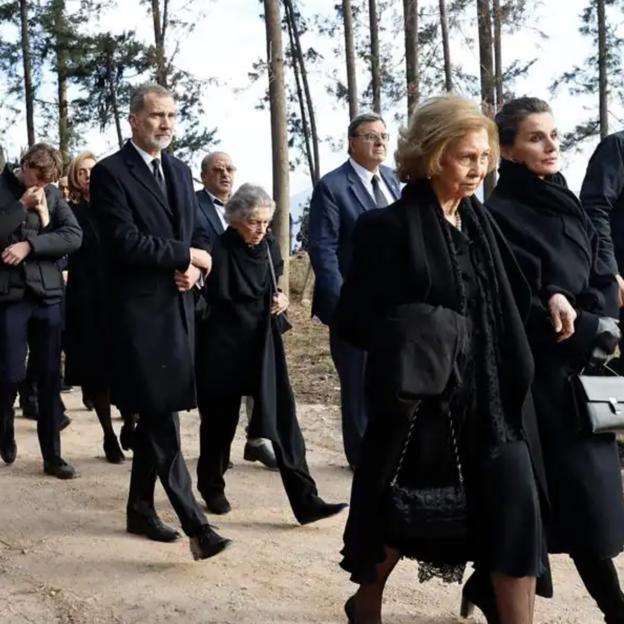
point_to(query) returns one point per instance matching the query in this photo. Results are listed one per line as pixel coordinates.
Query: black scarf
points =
(548, 194)
(493, 314)
(240, 271)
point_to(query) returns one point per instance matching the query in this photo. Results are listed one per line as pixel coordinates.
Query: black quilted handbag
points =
(425, 513)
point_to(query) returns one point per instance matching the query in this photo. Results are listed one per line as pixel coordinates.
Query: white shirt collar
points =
(148, 158)
(363, 172)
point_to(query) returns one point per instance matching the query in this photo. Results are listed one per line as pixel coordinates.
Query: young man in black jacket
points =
(37, 227)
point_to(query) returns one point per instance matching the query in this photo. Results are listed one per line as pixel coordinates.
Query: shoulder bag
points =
(426, 513)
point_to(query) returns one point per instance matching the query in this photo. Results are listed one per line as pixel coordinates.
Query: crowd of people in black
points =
(457, 329)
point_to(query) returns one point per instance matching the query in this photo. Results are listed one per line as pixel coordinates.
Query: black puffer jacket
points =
(39, 273)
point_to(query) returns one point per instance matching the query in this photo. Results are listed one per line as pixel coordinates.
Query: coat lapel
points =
(357, 188)
(210, 212)
(175, 187)
(391, 182)
(139, 170)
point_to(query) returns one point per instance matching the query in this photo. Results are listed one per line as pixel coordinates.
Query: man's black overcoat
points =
(147, 237)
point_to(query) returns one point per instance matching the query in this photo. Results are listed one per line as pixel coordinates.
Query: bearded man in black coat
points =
(146, 207)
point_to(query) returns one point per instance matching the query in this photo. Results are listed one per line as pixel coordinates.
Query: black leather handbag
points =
(425, 513)
(281, 320)
(600, 402)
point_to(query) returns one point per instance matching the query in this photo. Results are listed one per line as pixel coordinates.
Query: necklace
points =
(458, 221)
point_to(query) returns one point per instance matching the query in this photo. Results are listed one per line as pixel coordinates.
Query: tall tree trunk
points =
(112, 86)
(498, 52)
(160, 25)
(29, 91)
(486, 63)
(300, 62)
(60, 44)
(279, 133)
(602, 69)
(374, 53)
(347, 15)
(410, 20)
(446, 47)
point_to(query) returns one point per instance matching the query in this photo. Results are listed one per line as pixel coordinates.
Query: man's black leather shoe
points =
(320, 511)
(30, 409)
(151, 527)
(8, 448)
(126, 436)
(207, 543)
(59, 468)
(64, 421)
(218, 504)
(261, 453)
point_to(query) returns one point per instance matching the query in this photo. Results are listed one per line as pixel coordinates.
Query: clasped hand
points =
(15, 253)
(279, 304)
(562, 316)
(201, 263)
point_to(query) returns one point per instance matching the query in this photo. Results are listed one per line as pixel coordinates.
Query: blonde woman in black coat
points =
(429, 298)
(575, 304)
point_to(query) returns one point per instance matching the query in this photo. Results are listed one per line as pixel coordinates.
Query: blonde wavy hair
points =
(75, 192)
(432, 126)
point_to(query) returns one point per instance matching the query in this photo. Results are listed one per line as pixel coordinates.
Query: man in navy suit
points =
(341, 196)
(217, 176)
(157, 249)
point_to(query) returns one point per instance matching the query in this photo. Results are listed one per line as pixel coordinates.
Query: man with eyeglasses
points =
(217, 176)
(37, 228)
(362, 183)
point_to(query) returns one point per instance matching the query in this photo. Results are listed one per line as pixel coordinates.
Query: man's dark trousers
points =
(42, 323)
(350, 364)
(157, 453)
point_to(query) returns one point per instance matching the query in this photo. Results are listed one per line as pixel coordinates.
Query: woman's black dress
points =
(86, 338)
(420, 257)
(557, 248)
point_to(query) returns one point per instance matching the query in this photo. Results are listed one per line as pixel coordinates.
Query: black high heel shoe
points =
(478, 592)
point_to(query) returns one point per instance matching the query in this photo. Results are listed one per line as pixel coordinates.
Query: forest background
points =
(275, 82)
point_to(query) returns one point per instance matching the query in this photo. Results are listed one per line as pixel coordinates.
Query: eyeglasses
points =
(371, 137)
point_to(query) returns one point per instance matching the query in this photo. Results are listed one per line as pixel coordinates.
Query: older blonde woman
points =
(240, 353)
(429, 297)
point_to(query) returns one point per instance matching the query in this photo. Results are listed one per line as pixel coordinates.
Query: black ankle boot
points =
(478, 592)
(601, 581)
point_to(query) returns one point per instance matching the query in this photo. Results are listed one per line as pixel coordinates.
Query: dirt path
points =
(65, 557)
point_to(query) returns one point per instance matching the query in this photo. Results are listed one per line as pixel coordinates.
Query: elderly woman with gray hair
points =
(240, 353)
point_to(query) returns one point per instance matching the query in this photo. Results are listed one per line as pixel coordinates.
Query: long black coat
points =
(86, 341)
(558, 252)
(148, 238)
(400, 259)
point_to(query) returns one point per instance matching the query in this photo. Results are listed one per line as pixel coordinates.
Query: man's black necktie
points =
(380, 198)
(158, 175)
(218, 202)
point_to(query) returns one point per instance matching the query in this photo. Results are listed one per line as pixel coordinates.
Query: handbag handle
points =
(454, 446)
(272, 269)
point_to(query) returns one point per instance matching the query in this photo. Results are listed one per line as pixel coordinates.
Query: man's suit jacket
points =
(602, 196)
(338, 200)
(148, 237)
(209, 213)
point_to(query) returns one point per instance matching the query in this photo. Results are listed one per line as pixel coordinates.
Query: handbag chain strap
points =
(454, 446)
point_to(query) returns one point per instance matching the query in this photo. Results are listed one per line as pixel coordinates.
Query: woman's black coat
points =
(400, 259)
(86, 338)
(557, 249)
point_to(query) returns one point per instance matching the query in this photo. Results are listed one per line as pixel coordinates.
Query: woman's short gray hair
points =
(247, 198)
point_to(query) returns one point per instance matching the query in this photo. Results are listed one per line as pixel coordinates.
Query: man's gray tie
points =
(158, 175)
(380, 198)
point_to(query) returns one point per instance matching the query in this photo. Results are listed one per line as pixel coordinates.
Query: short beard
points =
(160, 144)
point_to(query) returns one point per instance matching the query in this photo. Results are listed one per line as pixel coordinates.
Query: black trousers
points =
(350, 364)
(157, 452)
(219, 418)
(32, 325)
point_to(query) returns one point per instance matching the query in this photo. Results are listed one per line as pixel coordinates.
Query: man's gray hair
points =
(247, 198)
(137, 100)
(358, 120)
